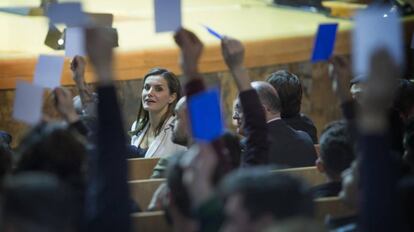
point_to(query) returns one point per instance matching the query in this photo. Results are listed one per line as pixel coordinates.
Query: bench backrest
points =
(309, 174)
(141, 168)
(142, 190)
(150, 222)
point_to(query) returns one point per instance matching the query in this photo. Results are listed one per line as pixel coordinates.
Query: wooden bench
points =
(142, 190)
(141, 168)
(150, 222)
(310, 174)
(332, 206)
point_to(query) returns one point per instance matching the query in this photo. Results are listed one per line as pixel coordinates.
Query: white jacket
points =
(162, 144)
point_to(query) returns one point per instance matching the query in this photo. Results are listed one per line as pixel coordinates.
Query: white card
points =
(48, 71)
(167, 15)
(69, 13)
(28, 103)
(376, 28)
(75, 42)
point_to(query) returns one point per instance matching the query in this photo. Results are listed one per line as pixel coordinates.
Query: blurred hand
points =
(99, 47)
(191, 49)
(64, 105)
(78, 68)
(379, 92)
(341, 75)
(381, 84)
(199, 164)
(233, 52)
(159, 198)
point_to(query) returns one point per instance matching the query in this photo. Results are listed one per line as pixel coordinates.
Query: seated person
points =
(6, 154)
(287, 147)
(336, 155)
(37, 201)
(152, 132)
(289, 88)
(350, 196)
(257, 199)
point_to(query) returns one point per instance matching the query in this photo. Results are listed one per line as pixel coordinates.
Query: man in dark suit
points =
(289, 89)
(287, 147)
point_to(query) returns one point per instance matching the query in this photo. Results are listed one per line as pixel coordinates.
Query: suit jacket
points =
(303, 123)
(289, 147)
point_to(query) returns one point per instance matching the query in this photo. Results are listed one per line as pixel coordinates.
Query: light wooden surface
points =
(142, 190)
(332, 206)
(271, 35)
(150, 222)
(141, 168)
(310, 174)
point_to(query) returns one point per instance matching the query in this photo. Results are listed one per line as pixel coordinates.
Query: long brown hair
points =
(174, 86)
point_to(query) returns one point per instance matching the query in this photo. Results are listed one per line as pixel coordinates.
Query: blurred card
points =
(205, 115)
(75, 42)
(213, 32)
(324, 42)
(101, 19)
(376, 28)
(167, 15)
(69, 13)
(48, 71)
(16, 10)
(28, 103)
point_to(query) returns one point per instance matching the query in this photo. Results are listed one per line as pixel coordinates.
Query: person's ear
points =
(173, 97)
(319, 165)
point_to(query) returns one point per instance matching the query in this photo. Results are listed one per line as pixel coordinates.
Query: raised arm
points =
(112, 197)
(378, 169)
(254, 117)
(85, 93)
(191, 49)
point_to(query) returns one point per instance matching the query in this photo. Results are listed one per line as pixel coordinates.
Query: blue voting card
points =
(167, 15)
(69, 13)
(205, 115)
(324, 42)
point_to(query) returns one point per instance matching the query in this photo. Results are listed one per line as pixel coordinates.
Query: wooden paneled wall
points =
(318, 100)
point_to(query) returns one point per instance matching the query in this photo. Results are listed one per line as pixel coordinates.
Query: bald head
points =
(268, 96)
(181, 132)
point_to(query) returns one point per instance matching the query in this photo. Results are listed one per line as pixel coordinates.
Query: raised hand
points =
(64, 105)
(99, 47)
(233, 53)
(78, 68)
(191, 49)
(340, 73)
(379, 92)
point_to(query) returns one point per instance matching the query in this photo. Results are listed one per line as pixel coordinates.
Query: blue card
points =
(213, 32)
(167, 15)
(69, 13)
(205, 115)
(16, 10)
(324, 42)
